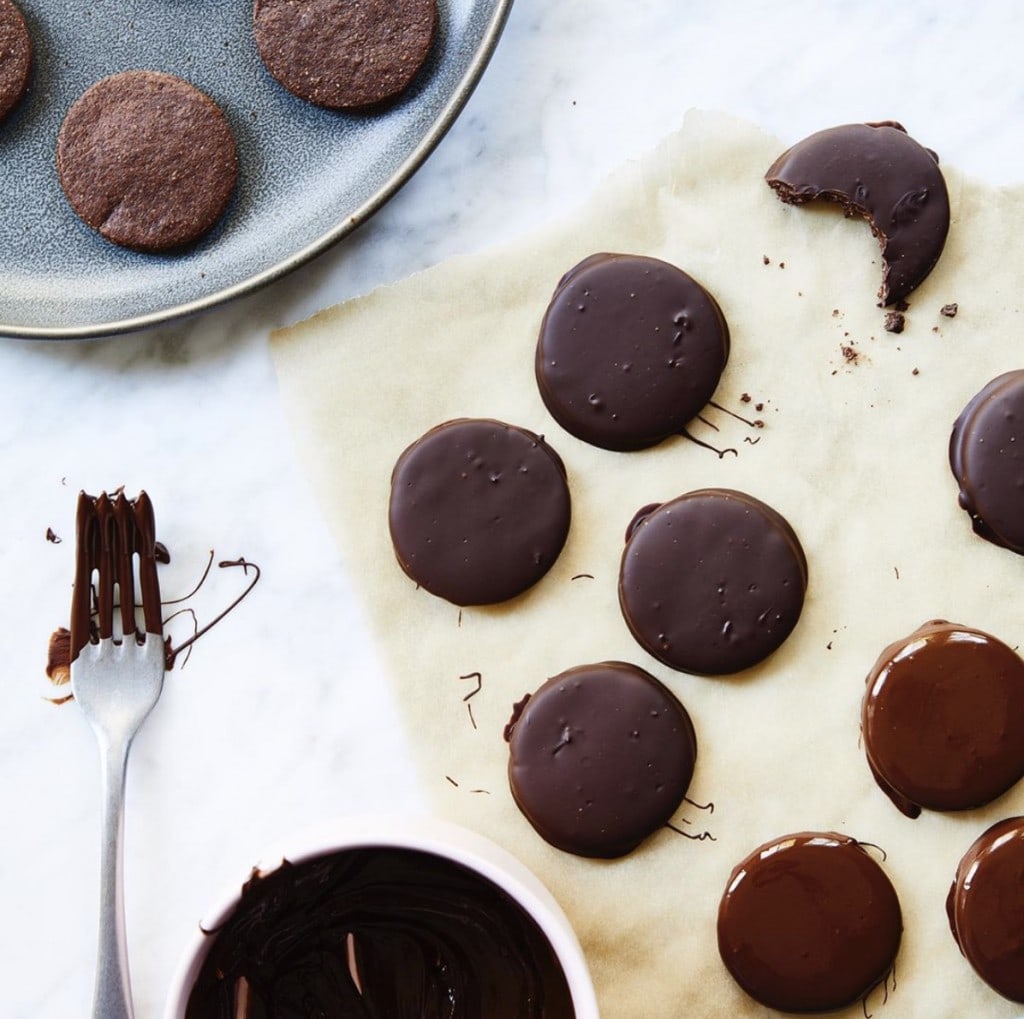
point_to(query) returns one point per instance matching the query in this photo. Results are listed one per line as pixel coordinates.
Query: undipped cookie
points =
(711, 582)
(630, 350)
(943, 719)
(479, 510)
(809, 923)
(147, 159)
(15, 56)
(344, 54)
(601, 757)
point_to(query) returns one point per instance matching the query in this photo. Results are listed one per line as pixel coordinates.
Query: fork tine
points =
(145, 545)
(105, 573)
(81, 597)
(124, 520)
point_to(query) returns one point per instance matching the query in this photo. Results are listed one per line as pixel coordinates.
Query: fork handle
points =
(112, 997)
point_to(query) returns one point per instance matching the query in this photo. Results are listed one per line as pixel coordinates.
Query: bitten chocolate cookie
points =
(809, 923)
(601, 757)
(943, 719)
(986, 454)
(147, 160)
(631, 349)
(986, 907)
(15, 57)
(344, 54)
(711, 582)
(879, 172)
(479, 510)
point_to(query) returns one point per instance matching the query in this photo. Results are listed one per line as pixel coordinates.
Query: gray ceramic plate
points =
(308, 176)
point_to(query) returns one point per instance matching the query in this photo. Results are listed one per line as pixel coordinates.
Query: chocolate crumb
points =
(902, 306)
(835, 313)
(782, 265)
(745, 398)
(52, 538)
(949, 310)
(894, 322)
(849, 353)
(916, 371)
(766, 260)
(828, 646)
(58, 657)
(758, 406)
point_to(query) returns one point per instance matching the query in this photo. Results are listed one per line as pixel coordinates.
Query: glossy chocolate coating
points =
(16, 53)
(711, 582)
(630, 350)
(986, 907)
(601, 757)
(378, 933)
(986, 455)
(479, 510)
(943, 719)
(879, 172)
(809, 923)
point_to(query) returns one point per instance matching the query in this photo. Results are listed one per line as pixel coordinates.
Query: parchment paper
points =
(852, 451)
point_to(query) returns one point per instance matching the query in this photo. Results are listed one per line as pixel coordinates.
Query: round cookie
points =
(479, 510)
(711, 582)
(879, 172)
(600, 757)
(344, 55)
(943, 719)
(147, 159)
(16, 53)
(986, 454)
(986, 907)
(809, 923)
(631, 349)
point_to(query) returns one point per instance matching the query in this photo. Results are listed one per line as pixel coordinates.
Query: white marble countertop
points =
(282, 717)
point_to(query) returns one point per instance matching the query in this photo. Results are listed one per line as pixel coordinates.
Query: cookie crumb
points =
(949, 310)
(744, 397)
(894, 322)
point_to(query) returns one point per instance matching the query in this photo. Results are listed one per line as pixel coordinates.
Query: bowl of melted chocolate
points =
(386, 919)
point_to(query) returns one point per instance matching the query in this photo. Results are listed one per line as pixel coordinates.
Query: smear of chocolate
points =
(378, 933)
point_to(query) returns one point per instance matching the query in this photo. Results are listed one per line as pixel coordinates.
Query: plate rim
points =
(440, 126)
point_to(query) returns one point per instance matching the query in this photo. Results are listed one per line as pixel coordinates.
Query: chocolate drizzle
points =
(378, 933)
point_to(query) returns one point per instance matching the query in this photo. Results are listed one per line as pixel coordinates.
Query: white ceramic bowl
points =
(427, 835)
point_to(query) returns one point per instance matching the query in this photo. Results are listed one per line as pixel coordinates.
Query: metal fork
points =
(117, 674)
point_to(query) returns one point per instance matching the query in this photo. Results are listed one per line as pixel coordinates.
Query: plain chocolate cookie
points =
(15, 56)
(479, 510)
(147, 159)
(344, 54)
(601, 757)
(711, 582)
(630, 350)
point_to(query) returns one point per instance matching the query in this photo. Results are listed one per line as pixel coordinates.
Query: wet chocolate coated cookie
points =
(479, 510)
(601, 757)
(147, 159)
(344, 54)
(986, 454)
(986, 907)
(711, 582)
(879, 172)
(809, 923)
(15, 56)
(943, 719)
(631, 349)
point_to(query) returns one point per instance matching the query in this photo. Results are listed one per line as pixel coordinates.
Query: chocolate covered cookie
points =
(601, 757)
(943, 719)
(711, 582)
(147, 159)
(879, 172)
(15, 56)
(479, 510)
(986, 454)
(809, 923)
(344, 54)
(631, 349)
(986, 907)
